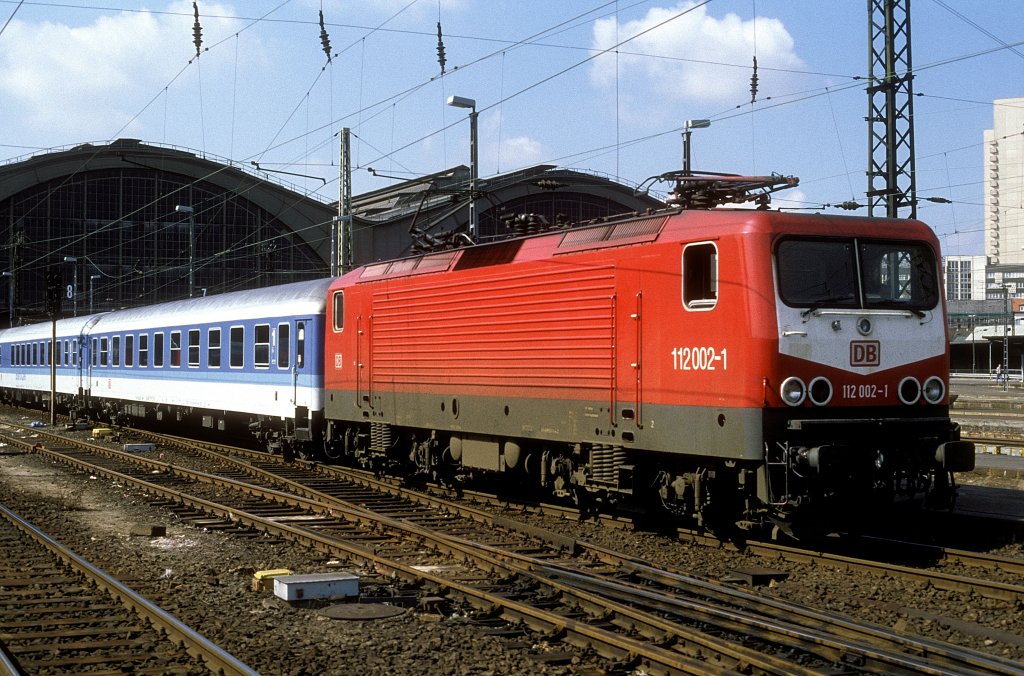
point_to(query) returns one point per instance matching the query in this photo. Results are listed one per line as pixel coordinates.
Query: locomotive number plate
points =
(865, 391)
(699, 359)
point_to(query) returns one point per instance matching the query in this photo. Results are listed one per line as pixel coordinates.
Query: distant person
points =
(999, 373)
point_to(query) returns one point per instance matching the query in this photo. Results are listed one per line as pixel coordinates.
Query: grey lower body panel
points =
(729, 433)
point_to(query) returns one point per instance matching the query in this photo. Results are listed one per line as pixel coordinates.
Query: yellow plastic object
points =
(263, 580)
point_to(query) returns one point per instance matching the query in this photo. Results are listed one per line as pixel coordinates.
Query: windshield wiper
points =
(825, 302)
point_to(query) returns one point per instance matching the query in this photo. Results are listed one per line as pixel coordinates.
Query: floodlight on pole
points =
(184, 209)
(463, 102)
(690, 125)
(92, 278)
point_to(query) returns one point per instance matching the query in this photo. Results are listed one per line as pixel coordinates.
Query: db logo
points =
(865, 353)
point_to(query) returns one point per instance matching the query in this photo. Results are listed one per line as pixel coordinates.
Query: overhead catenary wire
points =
(619, 143)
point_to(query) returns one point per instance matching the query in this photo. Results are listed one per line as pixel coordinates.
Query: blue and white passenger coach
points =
(247, 361)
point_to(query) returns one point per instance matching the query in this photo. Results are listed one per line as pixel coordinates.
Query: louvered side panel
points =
(549, 329)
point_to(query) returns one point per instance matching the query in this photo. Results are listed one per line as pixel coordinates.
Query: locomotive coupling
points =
(955, 456)
(824, 459)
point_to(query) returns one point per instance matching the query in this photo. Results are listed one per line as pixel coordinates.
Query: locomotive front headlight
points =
(909, 390)
(793, 391)
(934, 390)
(820, 391)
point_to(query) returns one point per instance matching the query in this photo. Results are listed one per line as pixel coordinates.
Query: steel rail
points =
(216, 658)
(1003, 591)
(577, 633)
(833, 652)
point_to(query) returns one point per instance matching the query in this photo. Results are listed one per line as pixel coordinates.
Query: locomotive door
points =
(629, 346)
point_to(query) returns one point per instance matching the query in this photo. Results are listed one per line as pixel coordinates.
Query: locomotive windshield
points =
(857, 273)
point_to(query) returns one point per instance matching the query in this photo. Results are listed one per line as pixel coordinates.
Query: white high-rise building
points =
(965, 277)
(1004, 183)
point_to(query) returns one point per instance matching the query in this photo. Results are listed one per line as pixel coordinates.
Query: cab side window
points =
(700, 276)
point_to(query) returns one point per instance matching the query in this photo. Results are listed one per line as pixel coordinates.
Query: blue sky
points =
(550, 85)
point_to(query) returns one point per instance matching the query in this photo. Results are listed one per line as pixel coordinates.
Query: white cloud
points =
(692, 56)
(520, 151)
(88, 81)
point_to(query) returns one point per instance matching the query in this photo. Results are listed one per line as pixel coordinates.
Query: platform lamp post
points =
(462, 102)
(973, 359)
(10, 298)
(687, 130)
(92, 279)
(74, 284)
(1006, 335)
(183, 209)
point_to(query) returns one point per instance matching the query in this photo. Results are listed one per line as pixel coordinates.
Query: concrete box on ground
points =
(315, 586)
(263, 580)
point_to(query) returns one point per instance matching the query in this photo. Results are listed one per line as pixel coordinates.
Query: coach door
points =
(291, 355)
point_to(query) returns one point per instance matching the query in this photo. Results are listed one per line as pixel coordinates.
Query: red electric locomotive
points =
(729, 364)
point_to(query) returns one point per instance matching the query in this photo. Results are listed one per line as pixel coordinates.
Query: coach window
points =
(158, 349)
(213, 348)
(74, 352)
(261, 346)
(129, 350)
(339, 310)
(175, 348)
(104, 351)
(193, 347)
(115, 351)
(300, 345)
(284, 345)
(143, 350)
(237, 347)
(700, 276)
(67, 352)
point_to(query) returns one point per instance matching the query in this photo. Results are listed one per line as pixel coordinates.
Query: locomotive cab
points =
(862, 409)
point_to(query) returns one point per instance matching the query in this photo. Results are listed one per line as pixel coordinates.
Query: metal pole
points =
(473, 169)
(1006, 335)
(463, 102)
(10, 298)
(53, 371)
(973, 357)
(184, 209)
(92, 278)
(191, 255)
(686, 151)
(343, 259)
(687, 131)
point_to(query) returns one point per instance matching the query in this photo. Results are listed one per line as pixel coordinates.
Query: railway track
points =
(608, 591)
(61, 614)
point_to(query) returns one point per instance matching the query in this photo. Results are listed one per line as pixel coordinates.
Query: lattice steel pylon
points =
(891, 174)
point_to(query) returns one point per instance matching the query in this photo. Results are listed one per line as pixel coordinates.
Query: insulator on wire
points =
(197, 30)
(440, 48)
(325, 39)
(753, 83)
